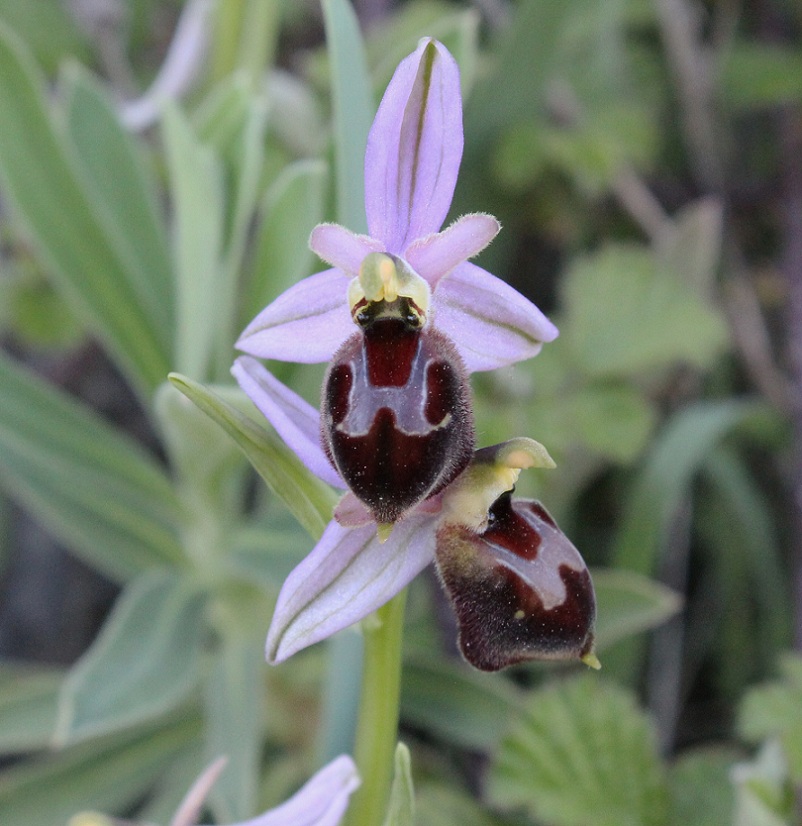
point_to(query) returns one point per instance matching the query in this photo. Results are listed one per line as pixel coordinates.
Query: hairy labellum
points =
(520, 589)
(396, 415)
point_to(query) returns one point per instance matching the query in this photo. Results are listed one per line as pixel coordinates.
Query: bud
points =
(519, 588)
(396, 414)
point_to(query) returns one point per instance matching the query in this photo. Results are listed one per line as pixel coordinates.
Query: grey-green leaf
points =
(582, 754)
(47, 195)
(109, 774)
(308, 499)
(455, 702)
(401, 808)
(353, 110)
(95, 489)
(28, 697)
(145, 661)
(118, 180)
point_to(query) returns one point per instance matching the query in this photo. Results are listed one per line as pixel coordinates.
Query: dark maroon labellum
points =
(520, 590)
(396, 415)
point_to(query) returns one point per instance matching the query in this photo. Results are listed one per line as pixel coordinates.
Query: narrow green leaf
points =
(667, 474)
(47, 196)
(308, 499)
(583, 753)
(628, 604)
(196, 187)
(109, 774)
(234, 725)
(28, 697)
(118, 181)
(144, 662)
(401, 808)
(95, 489)
(456, 703)
(353, 110)
(289, 211)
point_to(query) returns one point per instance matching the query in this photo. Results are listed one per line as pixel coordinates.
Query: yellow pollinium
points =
(384, 277)
(493, 471)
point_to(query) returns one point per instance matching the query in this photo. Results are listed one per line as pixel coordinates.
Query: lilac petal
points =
(306, 323)
(491, 324)
(322, 801)
(436, 255)
(414, 148)
(348, 574)
(295, 420)
(342, 248)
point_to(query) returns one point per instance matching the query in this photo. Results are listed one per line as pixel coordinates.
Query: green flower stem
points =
(377, 728)
(226, 38)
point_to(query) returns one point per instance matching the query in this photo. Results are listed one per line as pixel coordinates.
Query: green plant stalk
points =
(226, 38)
(259, 36)
(377, 727)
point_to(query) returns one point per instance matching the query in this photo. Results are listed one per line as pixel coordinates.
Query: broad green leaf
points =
(612, 418)
(401, 808)
(701, 788)
(774, 710)
(196, 188)
(763, 794)
(582, 754)
(353, 106)
(234, 727)
(144, 662)
(46, 193)
(625, 317)
(628, 604)
(308, 499)
(109, 774)
(440, 804)
(289, 212)
(456, 703)
(116, 178)
(92, 487)
(28, 697)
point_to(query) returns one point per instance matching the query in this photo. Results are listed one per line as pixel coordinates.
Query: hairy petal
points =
(295, 420)
(322, 801)
(436, 255)
(348, 574)
(491, 323)
(305, 324)
(414, 149)
(342, 248)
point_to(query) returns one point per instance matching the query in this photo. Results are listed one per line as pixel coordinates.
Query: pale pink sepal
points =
(342, 248)
(348, 575)
(351, 513)
(414, 148)
(295, 420)
(321, 801)
(491, 323)
(436, 255)
(305, 324)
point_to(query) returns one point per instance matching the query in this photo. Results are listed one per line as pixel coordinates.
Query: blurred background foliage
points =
(645, 158)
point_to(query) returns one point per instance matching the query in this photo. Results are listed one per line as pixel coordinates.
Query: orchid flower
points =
(470, 320)
(403, 317)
